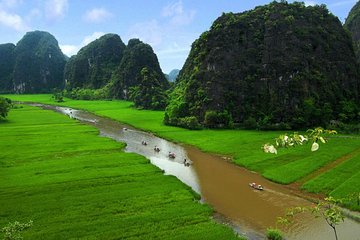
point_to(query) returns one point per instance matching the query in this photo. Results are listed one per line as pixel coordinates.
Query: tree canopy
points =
(5, 105)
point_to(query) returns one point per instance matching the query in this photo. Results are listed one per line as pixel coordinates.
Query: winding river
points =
(221, 184)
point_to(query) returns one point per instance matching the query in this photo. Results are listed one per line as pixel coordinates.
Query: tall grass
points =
(74, 184)
(244, 146)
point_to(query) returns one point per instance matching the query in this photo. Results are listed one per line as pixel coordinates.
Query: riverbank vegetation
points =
(73, 184)
(244, 147)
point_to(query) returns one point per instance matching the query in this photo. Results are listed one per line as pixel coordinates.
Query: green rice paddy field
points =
(288, 166)
(74, 184)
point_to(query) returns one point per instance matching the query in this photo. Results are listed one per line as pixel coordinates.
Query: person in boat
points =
(171, 155)
(156, 149)
(144, 143)
(187, 163)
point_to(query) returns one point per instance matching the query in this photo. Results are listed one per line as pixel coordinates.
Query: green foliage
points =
(95, 63)
(287, 166)
(5, 106)
(39, 64)
(328, 209)
(352, 23)
(70, 178)
(274, 234)
(283, 65)
(149, 94)
(58, 95)
(137, 56)
(215, 119)
(88, 94)
(14, 230)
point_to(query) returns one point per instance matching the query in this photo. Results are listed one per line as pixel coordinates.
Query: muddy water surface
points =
(221, 184)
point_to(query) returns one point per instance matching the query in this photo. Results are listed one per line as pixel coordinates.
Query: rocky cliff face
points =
(352, 23)
(39, 64)
(279, 63)
(137, 56)
(7, 61)
(94, 64)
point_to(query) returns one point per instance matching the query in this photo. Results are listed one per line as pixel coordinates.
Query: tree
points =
(313, 135)
(328, 209)
(149, 94)
(5, 105)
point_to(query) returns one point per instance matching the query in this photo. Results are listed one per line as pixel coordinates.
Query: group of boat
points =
(256, 186)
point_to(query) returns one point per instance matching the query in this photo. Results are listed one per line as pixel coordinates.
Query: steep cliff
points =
(352, 23)
(137, 56)
(277, 65)
(39, 63)
(7, 61)
(94, 64)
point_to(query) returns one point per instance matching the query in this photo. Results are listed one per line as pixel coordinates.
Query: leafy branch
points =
(312, 135)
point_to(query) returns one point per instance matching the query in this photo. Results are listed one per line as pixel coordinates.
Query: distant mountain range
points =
(172, 75)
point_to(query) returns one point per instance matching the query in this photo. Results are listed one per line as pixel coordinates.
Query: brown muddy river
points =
(221, 184)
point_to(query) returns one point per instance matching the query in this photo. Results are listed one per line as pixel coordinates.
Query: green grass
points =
(341, 181)
(74, 184)
(288, 166)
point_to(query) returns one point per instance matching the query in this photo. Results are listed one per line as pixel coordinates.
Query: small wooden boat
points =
(187, 163)
(256, 186)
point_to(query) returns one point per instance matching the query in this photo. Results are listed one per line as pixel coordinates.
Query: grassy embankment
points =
(74, 184)
(288, 166)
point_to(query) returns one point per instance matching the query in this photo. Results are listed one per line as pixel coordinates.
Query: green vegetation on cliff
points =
(7, 61)
(137, 56)
(39, 63)
(352, 23)
(94, 64)
(278, 66)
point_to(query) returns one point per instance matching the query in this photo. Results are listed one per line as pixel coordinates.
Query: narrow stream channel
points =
(221, 184)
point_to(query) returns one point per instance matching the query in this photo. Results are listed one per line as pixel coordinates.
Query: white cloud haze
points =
(56, 9)
(97, 15)
(13, 21)
(70, 50)
(178, 16)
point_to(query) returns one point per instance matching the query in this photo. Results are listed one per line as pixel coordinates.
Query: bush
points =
(87, 94)
(5, 105)
(215, 119)
(274, 234)
(250, 123)
(189, 122)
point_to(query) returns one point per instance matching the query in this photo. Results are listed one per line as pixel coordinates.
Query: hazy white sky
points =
(169, 26)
